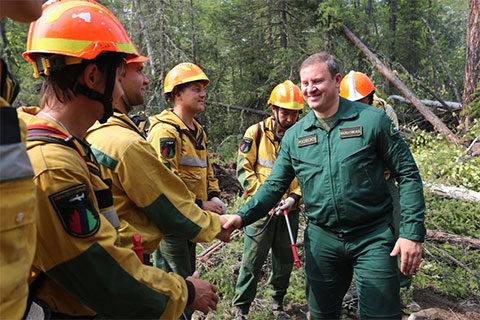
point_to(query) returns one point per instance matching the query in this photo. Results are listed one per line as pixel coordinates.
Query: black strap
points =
(134, 127)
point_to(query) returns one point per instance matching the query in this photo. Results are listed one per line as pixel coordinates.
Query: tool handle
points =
(295, 255)
(137, 246)
(296, 259)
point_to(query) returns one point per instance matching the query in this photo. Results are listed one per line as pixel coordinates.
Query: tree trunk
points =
(472, 61)
(283, 24)
(393, 30)
(452, 192)
(194, 54)
(444, 65)
(443, 237)
(429, 115)
(162, 49)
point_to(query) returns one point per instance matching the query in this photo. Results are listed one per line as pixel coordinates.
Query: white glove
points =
(285, 204)
(220, 202)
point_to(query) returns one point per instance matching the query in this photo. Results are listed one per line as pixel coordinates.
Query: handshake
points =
(230, 222)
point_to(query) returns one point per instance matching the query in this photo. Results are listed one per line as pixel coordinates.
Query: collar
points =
(346, 110)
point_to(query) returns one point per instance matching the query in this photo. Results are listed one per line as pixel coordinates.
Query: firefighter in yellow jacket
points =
(257, 154)
(18, 233)
(80, 272)
(180, 142)
(148, 197)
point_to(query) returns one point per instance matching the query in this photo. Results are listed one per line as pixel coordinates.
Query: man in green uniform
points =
(258, 151)
(357, 86)
(339, 153)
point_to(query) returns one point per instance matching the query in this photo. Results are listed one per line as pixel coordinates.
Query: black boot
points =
(240, 312)
(277, 309)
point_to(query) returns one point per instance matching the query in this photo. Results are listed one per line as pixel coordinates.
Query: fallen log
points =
(427, 113)
(452, 192)
(443, 237)
(430, 103)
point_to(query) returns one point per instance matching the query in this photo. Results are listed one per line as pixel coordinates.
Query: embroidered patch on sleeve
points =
(246, 145)
(351, 132)
(76, 211)
(393, 129)
(306, 140)
(167, 147)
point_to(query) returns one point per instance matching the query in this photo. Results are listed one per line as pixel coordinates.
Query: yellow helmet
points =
(183, 73)
(355, 86)
(287, 95)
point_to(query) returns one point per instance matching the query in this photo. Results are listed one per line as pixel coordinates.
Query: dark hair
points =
(60, 81)
(330, 60)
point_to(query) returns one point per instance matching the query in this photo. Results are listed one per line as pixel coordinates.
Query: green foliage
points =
(439, 161)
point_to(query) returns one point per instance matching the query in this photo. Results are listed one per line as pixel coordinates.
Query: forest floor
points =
(424, 300)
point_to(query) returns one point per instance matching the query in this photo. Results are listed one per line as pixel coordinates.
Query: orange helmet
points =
(140, 59)
(183, 73)
(75, 29)
(355, 86)
(287, 95)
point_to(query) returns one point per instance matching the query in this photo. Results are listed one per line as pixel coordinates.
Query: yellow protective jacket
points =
(148, 197)
(18, 212)
(186, 155)
(256, 156)
(382, 104)
(75, 244)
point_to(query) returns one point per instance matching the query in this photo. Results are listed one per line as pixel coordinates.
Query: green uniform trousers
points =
(331, 260)
(255, 251)
(178, 255)
(405, 280)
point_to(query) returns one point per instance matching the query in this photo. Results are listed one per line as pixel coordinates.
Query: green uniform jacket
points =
(148, 197)
(341, 173)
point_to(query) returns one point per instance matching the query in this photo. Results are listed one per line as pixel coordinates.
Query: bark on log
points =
(452, 192)
(443, 237)
(430, 103)
(429, 115)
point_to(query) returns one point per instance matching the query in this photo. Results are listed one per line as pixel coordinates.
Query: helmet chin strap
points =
(104, 98)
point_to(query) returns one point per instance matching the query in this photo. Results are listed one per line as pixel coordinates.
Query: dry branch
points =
(443, 237)
(427, 113)
(205, 254)
(431, 103)
(453, 259)
(452, 192)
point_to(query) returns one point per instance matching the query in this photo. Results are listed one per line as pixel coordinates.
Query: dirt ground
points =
(434, 306)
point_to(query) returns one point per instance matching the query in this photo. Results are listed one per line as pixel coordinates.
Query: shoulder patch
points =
(306, 140)
(393, 129)
(167, 147)
(76, 211)
(351, 132)
(246, 145)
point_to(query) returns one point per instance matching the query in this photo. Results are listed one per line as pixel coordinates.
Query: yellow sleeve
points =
(76, 249)
(163, 196)
(246, 160)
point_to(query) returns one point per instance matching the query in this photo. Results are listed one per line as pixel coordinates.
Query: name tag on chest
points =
(351, 132)
(307, 140)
